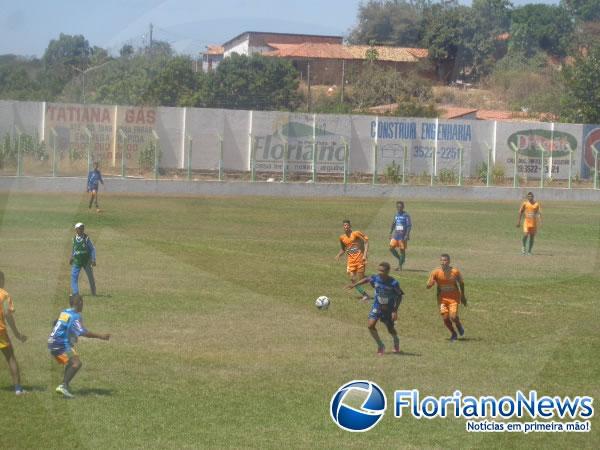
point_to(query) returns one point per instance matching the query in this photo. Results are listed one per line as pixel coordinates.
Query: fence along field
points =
(51, 139)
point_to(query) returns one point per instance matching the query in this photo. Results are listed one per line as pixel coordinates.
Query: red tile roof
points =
(451, 112)
(348, 52)
(214, 50)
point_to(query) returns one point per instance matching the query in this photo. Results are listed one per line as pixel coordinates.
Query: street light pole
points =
(84, 72)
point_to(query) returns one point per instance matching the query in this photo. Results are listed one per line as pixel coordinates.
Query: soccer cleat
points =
(396, 349)
(461, 330)
(21, 391)
(381, 351)
(523, 251)
(453, 338)
(399, 268)
(366, 298)
(61, 389)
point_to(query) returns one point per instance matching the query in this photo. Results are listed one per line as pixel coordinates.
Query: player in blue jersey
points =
(388, 296)
(400, 234)
(94, 177)
(67, 328)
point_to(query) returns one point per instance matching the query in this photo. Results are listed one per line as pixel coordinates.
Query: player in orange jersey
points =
(356, 246)
(450, 294)
(533, 219)
(7, 308)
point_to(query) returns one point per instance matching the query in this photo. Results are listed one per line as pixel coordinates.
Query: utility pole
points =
(308, 102)
(84, 72)
(343, 80)
(150, 45)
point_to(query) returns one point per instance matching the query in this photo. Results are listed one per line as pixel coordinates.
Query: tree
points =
(126, 51)
(18, 78)
(584, 10)
(174, 85)
(448, 35)
(251, 82)
(60, 59)
(489, 19)
(581, 99)
(527, 83)
(541, 27)
(389, 22)
(376, 85)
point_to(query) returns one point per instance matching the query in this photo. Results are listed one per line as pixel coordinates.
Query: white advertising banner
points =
(542, 148)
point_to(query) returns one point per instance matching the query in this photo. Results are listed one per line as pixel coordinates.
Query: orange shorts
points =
(356, 267)
(401, 244)
(449, 308)
(65, 357)
(355, 263)
(4, 340)
(529, 226)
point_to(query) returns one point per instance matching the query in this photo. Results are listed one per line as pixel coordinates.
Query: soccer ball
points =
(322, 302)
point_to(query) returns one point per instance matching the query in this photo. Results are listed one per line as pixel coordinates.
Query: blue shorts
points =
(380, 312)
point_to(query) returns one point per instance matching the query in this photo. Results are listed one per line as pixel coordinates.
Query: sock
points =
(457, 322)
(91, 201)
(448, 324)
(530, 243)
(524, 240)
(375, 335)
(394, 252)
(396, 340)
(18, 387)
(402, 257)
(361, 290)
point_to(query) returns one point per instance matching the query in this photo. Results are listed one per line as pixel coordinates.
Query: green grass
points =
(216, 342)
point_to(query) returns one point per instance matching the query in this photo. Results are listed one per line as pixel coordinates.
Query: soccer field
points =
(216, 341)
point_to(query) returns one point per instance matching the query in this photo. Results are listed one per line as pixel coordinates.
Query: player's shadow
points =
(412, 270)
(99, 296)
(27, 388)
(468, 339)
(402, 353)
(96, 392)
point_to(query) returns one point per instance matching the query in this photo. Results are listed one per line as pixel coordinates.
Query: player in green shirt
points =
(83, 257)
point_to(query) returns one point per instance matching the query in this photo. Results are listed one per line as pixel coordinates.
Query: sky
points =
(27, 26)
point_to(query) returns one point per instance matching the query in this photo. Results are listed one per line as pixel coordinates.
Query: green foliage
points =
(8, 151)
(584, 10)
(527, 83)
(149, 155)
(389, 23)
(18, 78)
(375, 85)
(174, 85)
(326, 104)
(32, 146)
(448, 32)
(26, 144)
(581, 97)
(537, 27)
(62, 58)
(447, 176)
(251, 82)
(393, 173)
(496, 176)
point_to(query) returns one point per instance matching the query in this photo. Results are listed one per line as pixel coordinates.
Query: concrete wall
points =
(216, 188)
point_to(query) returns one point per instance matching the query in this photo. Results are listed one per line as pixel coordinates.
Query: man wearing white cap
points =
(83, 257)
